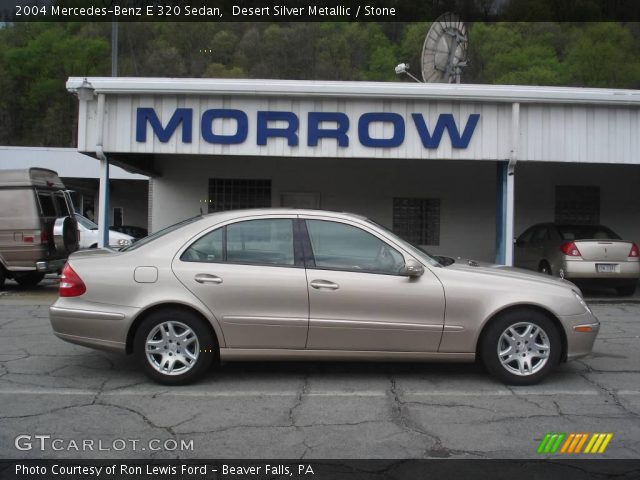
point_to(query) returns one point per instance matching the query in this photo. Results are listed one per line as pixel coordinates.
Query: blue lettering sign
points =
(315, 131)
(206, 126)
(445, 121)
(289, 132)
(181, 115)
(398, 130)
(339, 133)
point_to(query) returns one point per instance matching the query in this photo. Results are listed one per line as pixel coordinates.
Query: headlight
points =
(123, 242)
(582, 302)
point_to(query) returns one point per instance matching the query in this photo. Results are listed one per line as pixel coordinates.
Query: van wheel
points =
(174, 347)
(521, 347)
(28, 279)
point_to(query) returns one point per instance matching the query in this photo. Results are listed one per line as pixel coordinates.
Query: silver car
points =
(282, 284)
(589, 255)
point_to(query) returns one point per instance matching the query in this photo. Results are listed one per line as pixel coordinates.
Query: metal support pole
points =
(505, 201)
(103, 192)
(103, 199)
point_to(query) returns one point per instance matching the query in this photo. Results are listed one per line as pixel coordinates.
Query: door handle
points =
(206, 278)
(324, 284)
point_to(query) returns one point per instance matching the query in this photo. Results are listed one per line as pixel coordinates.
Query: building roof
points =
(333, 89)
(67, 162)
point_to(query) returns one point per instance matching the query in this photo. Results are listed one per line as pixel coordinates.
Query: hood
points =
(486, 268)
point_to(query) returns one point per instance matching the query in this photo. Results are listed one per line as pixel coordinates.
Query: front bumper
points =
(581, 331)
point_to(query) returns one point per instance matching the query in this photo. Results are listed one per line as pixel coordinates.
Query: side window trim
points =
(310, 260)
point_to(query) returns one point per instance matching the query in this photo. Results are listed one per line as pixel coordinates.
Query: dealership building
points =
(459, 169)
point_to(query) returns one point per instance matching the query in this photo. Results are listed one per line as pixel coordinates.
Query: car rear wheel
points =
(28, 279)
(174, 347)
(3, 277)
(521, 347)
(627, 290)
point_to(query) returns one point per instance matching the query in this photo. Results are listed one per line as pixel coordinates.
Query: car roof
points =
(285, 211)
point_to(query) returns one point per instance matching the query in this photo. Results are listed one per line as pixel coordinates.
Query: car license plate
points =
(606, 267)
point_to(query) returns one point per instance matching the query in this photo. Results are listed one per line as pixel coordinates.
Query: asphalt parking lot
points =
(305, 410)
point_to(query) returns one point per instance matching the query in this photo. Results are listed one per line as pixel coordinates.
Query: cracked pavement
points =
(309, 410)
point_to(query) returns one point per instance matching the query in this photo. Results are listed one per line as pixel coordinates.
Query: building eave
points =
(335, 89)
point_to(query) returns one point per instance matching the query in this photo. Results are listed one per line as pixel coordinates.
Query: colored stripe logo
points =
(574, 443)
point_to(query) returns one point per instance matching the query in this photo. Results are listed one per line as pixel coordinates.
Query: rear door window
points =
(541, 235)
(46, 204)
(268, 242)
(252, 242)
(61, 202)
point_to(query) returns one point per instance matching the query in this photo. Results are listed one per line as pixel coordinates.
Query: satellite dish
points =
(444, 53)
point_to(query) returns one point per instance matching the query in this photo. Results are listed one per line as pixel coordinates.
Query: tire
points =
(627, 290)
(3, 277)
(65, 235)
(545, 268)
(28, 279)
(502, 328)
(187, 368)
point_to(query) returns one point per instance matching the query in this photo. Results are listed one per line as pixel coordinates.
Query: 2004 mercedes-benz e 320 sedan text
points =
(302, 284)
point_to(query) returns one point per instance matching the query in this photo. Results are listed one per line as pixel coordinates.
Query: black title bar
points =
(136, 469)
(317, 10)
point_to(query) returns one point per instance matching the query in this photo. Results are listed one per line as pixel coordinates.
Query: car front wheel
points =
(521, 347)
(174, 347)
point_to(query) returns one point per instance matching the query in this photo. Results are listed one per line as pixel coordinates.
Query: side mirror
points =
(413, 268)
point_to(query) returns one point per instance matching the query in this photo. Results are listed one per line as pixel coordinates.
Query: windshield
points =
(86, 223)
(582, 232)
(160, 233)
(415, 249)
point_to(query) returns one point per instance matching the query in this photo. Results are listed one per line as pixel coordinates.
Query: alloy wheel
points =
(523, 348)
(172, 348)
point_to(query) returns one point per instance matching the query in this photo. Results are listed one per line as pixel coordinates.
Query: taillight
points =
(634, 253)
(570, 249)
(44, 237)
(71, 285)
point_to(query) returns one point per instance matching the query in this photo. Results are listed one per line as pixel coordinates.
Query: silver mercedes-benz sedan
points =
(282, 284)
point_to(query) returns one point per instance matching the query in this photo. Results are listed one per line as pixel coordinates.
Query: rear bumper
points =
(95, 326)
(580, 343)
(48, 266)
(577, 269)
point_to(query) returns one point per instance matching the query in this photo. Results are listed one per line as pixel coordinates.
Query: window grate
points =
(417, 220)
(236, 193)
(577, 205)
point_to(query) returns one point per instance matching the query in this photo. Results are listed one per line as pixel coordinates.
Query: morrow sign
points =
(320, 125)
